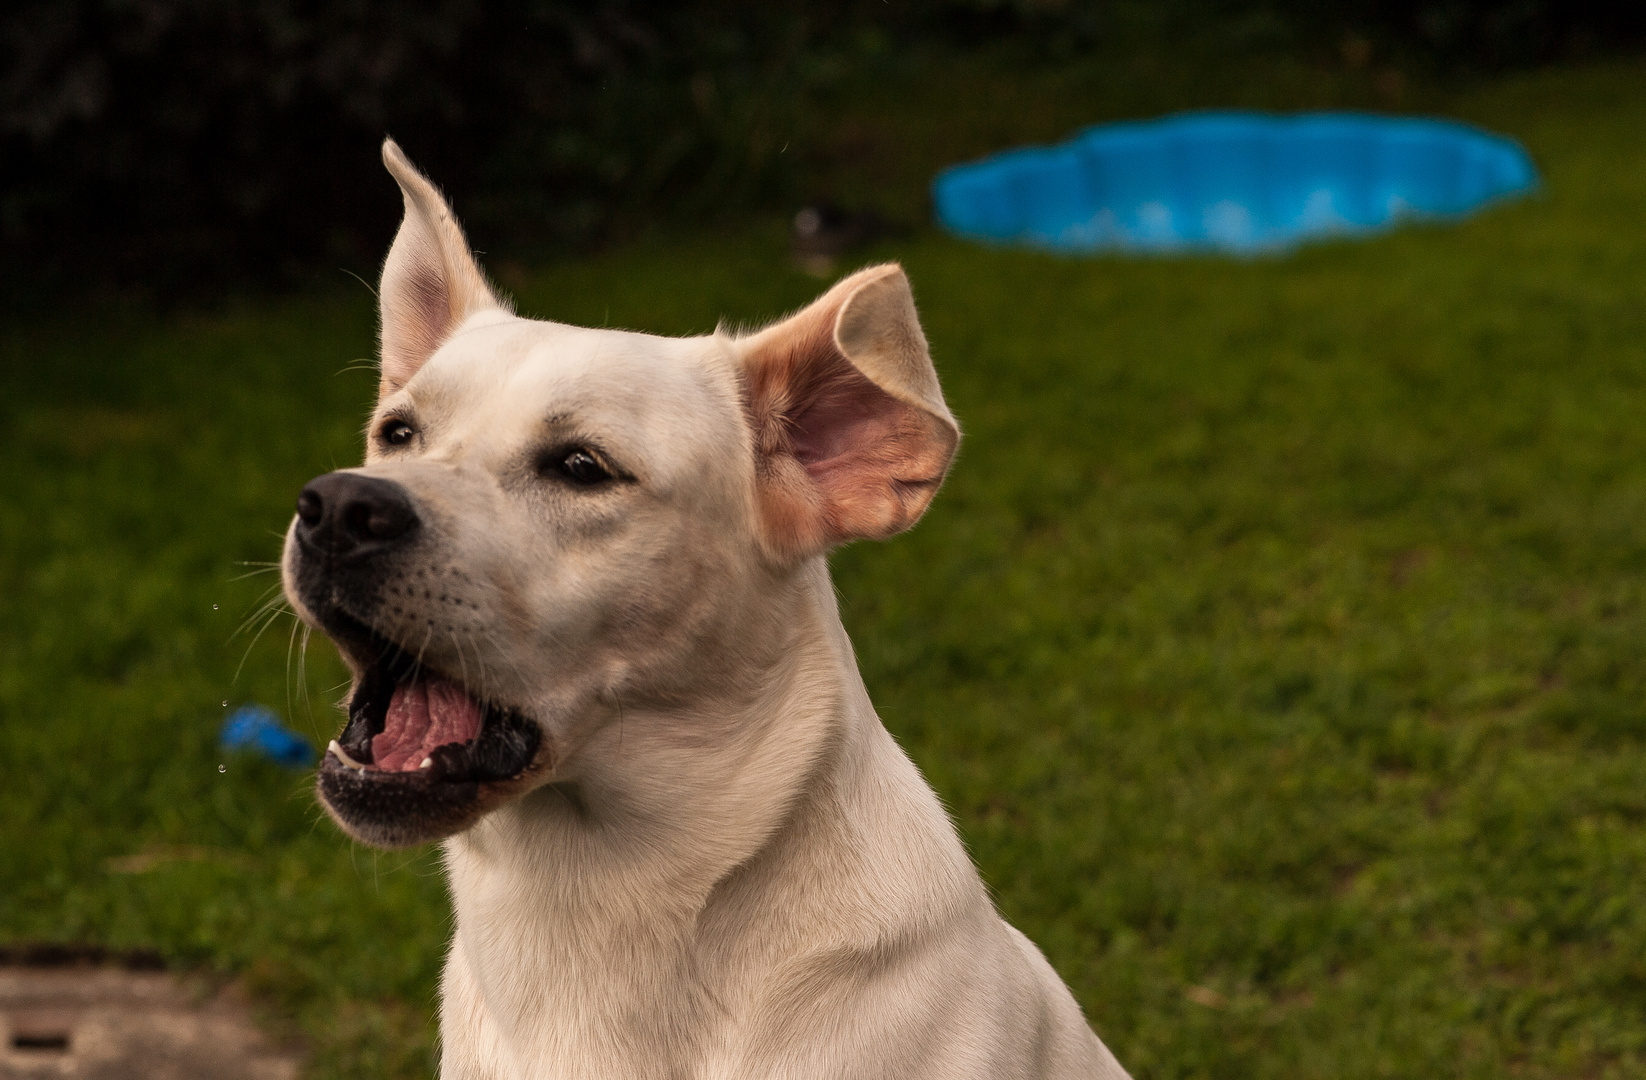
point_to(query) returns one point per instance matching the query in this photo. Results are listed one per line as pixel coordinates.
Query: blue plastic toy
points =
(1239, 182)
(254, 728)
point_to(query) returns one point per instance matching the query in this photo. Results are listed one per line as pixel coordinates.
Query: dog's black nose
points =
(349, 514)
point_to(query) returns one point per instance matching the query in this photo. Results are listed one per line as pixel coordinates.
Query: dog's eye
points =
(583, 467)
(396, 432)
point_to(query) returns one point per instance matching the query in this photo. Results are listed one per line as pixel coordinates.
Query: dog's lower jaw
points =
(788, 901)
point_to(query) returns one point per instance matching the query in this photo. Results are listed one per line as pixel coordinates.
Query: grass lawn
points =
(1275, 642)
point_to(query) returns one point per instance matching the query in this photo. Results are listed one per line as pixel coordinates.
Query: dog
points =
(581, 584)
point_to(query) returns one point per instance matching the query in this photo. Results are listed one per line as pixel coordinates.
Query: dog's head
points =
(554, 522)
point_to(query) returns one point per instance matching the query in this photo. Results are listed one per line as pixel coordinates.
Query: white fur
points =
(730, 869)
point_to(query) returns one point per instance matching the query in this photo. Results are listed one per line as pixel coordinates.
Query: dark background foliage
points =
(186, 145)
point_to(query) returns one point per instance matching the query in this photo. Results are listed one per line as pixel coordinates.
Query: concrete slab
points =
(89, 1022)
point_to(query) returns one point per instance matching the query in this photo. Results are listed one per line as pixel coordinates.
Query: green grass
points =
(1275, 642)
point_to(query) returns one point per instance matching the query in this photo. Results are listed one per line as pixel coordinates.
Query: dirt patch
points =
(84, 1014)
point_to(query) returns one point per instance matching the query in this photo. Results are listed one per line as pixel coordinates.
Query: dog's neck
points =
(700, 839)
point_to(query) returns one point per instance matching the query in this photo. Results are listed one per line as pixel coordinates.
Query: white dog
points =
(581, 581)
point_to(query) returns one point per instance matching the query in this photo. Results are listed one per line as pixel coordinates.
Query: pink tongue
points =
(423, 714)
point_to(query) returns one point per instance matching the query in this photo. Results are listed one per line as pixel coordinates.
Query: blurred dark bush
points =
(181, 144)
(172, 142)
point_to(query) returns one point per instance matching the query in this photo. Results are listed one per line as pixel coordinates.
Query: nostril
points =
(356, 521)
(310, 507)
(388, 522)
(372, 520)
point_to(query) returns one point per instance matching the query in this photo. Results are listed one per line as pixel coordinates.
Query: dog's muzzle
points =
(422, 755)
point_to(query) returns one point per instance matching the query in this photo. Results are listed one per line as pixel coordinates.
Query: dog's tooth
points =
(342, 755)
(426, 763)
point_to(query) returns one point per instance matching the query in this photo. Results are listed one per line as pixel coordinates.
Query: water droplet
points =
(222, 768)
(214, 607)
(225, 704)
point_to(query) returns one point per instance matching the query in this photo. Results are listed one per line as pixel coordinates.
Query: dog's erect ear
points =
(431, 282)
(852, 437)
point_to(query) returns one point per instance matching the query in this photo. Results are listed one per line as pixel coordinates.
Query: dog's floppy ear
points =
(431, 282)
(852, 437)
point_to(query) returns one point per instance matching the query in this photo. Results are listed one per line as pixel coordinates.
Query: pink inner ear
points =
(874, 460)
(416, 319)
(847, 414)
(839, 456)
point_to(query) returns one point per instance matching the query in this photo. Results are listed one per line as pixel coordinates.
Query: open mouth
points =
(411, 726)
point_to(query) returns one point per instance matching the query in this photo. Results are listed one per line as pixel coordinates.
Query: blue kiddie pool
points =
(1239, 182)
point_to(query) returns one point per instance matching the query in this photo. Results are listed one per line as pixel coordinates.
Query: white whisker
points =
(291, 643)
(462, 665)
(270, 621)
(267, 600)
(484, 688)
(499, 648)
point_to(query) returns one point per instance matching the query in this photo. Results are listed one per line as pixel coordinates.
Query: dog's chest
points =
(618, 1004)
